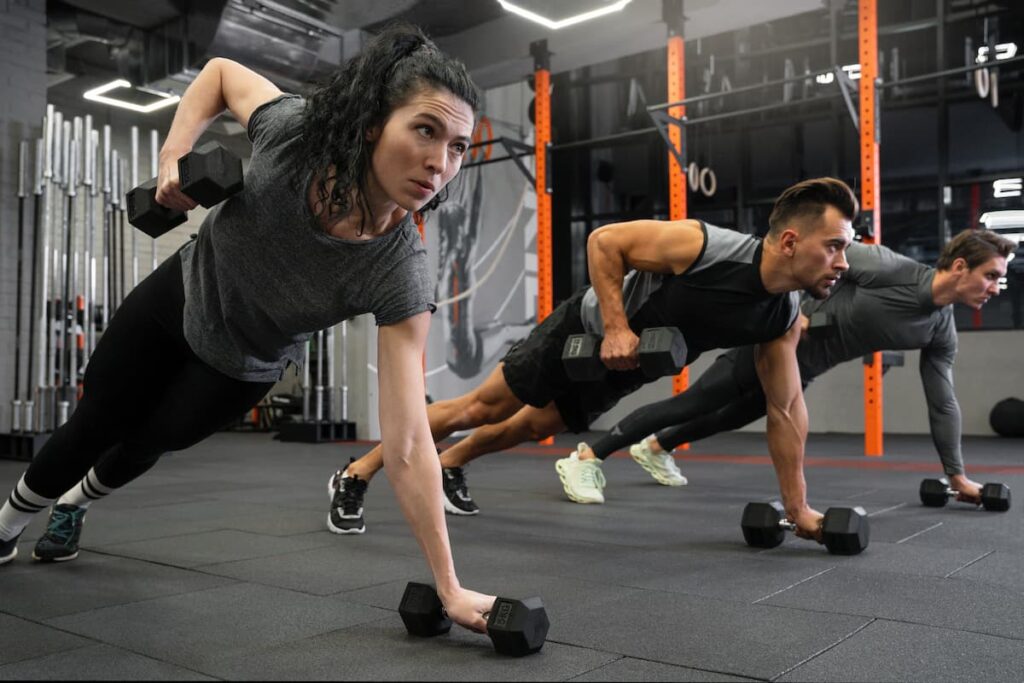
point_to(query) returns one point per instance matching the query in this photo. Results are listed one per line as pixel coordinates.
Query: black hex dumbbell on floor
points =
(936, 492)
(209, 174)
(662, 353)
(515, 627)
(845, 530)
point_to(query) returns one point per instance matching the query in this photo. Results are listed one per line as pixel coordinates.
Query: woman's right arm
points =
(222, 84)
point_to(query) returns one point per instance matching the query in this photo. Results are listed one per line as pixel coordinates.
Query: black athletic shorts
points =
(533, 371)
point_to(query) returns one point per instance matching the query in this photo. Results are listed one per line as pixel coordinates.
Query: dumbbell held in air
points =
(662, 353)
(821, 325)
(936, 492)
(209, 174)
(845, 530)
(515, 627)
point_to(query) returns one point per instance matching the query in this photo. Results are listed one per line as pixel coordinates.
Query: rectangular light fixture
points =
(99, 95)
(554, 24)
(1007, 187)
(1009, 224)
(1003, 51)
(852, 70)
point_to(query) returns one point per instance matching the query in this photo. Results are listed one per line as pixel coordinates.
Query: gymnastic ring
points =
(693, 176)
(981, 82)
(708, 182)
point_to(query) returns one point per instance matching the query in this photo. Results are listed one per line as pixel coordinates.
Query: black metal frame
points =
(514, 151)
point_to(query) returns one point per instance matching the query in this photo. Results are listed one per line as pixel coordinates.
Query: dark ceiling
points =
(441, 18)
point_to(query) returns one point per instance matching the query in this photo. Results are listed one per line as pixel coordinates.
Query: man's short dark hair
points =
(809, 199)
(976, 247)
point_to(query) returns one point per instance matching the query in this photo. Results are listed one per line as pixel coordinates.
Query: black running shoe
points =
(60, 542)
(9, 549)
(456, 496)
(346, 515)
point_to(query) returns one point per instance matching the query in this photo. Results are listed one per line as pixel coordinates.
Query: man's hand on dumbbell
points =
(993, 496)
(968, 491)
(168, 186)
(468, 608)
(843, 531)
(808, 524)
(620, 349)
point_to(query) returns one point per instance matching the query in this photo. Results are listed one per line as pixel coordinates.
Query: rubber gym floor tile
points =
(999, 567)
(304, 494)
(630, 669)
(908, 559)
(279, 522)
(727, 570)
(211, 547)
(892, 651)
(98, 663)
(691, 631)
(994, 610)
(383, 650)
(975, 529)
(39, 591)
(104, 526)
(196, 629)
(25, 640)
(658, 626)
(324, 571)
(614, 525)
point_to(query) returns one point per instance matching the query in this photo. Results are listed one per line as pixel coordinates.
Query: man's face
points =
(975, 286)
(819, 252)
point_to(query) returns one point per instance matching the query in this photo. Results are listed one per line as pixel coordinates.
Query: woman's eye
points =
(426, 131)
(459, 148)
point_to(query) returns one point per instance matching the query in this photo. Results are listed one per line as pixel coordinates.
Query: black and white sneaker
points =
(456, 496)
(346, 515)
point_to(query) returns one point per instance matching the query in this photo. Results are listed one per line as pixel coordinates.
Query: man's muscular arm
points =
(669, 247)
(787, 427)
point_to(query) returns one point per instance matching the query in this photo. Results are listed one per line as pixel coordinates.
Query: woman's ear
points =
(373, 134)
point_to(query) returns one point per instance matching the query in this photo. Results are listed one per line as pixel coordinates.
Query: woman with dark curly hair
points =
(322, 231)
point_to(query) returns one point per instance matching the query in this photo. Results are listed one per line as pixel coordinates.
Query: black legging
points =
(146, 393)
(727, 396)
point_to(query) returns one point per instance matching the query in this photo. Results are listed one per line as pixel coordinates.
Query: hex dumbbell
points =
(662, 353)
(821, 324)
(515, 627)
(209, 174)
(845, 530)
(936, 492)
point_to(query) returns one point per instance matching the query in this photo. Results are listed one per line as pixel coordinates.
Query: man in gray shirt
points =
(884, 301)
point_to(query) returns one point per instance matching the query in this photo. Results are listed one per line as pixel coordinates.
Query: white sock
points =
(86, 491)
(21, 506)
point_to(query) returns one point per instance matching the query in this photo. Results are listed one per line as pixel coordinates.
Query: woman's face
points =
(421, 147)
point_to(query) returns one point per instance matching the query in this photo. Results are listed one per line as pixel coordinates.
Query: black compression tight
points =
(727, 396)
(146, 393)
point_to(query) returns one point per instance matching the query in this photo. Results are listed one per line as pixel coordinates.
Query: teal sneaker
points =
(60, 542)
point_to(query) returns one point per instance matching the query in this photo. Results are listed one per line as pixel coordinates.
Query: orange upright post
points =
(676, 174)
(541, 141)
(870, 199)
(422, 227)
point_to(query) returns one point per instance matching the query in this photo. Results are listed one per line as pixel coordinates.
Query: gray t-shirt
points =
(885, 302)
(262, 276)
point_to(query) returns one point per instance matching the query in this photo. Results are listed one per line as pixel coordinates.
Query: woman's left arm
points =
(411, 462)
